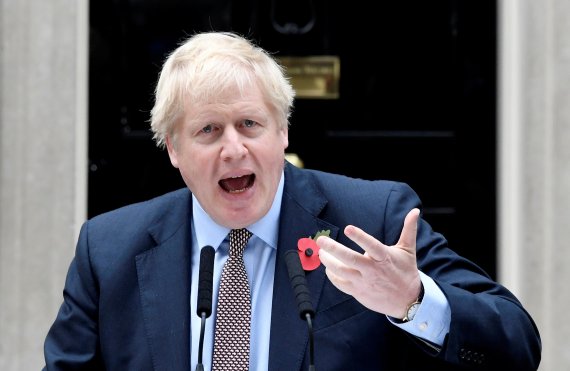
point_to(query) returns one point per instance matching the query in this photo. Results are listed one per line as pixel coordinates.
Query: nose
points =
(233, 146)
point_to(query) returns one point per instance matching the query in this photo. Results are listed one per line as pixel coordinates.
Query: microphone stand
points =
(311, 342)
(200, 365)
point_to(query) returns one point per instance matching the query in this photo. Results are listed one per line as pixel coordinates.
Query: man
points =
(389, 294)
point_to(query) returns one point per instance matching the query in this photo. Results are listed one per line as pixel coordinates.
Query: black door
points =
(416, 98)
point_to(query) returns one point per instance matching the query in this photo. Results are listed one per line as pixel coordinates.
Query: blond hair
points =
(204, 66)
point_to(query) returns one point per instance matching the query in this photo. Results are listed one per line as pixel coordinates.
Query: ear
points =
(285, 137)
(170, 146)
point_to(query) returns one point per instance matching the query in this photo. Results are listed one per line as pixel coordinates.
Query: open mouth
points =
(237, 184)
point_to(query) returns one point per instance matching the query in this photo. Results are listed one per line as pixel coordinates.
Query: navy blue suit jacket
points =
(126, 298)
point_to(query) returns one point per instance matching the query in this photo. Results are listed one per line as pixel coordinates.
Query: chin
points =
(234, 219)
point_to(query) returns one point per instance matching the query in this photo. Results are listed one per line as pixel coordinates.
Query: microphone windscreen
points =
(205, 279)
(299, 283)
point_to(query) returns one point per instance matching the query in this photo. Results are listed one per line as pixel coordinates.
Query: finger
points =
(329, 260)
(338, 273)
(410, 230)
(337, 266)
(340, 283)
(375, 249)
(348, 257)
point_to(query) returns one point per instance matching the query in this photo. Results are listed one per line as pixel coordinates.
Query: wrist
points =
(413, 307)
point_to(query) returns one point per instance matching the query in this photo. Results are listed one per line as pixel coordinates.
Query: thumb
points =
(410, 230)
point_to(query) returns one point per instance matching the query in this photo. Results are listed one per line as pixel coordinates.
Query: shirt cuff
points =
(433, 317)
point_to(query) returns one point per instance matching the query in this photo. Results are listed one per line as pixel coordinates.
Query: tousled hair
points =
(207, 64)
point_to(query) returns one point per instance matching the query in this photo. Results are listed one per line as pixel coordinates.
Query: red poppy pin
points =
(309, 251)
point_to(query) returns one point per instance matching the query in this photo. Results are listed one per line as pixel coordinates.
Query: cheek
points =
(192, 176)
(197, 163)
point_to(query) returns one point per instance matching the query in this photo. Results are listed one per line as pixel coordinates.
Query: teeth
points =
(237, 191)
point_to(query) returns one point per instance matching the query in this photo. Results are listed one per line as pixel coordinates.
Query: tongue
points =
(235, 184)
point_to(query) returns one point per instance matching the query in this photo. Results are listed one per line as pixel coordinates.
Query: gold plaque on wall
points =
(313, 76)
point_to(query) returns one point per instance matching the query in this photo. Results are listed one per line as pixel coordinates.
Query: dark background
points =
(417, 98)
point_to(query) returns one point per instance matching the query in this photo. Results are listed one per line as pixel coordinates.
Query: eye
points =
(207, 129)
(249, 123)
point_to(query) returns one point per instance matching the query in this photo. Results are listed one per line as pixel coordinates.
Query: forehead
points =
(247, 98)
(210, 85)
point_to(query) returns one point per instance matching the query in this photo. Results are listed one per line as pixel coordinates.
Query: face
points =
(230, 153)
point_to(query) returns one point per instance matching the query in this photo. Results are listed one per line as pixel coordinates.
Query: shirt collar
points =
(208, 232)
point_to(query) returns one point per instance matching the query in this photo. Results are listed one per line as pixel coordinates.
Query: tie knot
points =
(238, 240)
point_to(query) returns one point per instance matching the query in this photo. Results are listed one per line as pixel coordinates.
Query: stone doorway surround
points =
(43, 160)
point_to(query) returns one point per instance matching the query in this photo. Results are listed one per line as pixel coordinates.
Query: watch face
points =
(412, 311)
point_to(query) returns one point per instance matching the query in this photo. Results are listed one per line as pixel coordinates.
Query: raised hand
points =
(385, 278)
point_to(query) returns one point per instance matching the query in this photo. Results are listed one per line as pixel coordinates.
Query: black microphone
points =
(205, 281)
(204, 305)
(302, 296)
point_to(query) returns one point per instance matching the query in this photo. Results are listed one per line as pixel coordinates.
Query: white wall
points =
(534, 168)
(43, 123)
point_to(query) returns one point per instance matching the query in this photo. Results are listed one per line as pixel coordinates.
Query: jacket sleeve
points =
(72, 341)
(489, 327)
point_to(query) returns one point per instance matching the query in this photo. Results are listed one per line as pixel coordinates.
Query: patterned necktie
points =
(231, 339)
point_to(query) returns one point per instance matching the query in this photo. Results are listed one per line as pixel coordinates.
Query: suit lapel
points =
(164, 283)
(301, 205)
